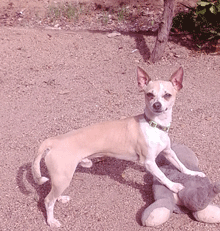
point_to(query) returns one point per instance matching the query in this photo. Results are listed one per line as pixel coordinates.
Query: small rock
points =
(113, 34)
(64, 92)
(134, 50)
(176, 55)
(52, 28)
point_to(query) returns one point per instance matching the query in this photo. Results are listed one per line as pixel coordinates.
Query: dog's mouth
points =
(159, 111)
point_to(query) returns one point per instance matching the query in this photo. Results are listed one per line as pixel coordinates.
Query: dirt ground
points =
(55, 80)
(126, 15)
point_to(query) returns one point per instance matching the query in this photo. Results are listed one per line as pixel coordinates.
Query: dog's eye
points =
(150, 95)
(167, 96)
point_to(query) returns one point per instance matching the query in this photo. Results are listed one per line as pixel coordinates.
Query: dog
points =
(139, 138)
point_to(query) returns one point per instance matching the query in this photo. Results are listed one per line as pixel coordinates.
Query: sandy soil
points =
(55, 80)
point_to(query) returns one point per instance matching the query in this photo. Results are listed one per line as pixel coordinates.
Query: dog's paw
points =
(53, 223)
(86, 163)
(201, 174)
(194, 173)
(176, 187)
(63, 199)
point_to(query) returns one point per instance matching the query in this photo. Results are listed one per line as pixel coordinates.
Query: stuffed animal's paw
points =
(211, 214)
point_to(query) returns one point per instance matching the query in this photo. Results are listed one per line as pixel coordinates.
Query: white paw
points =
(86, 163)
(201, 174)
(63, 199)
(194, 173)
(176, 187)
(53, 223)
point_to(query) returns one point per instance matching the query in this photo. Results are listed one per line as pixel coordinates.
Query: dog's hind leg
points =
(59, 184)
(63, 199)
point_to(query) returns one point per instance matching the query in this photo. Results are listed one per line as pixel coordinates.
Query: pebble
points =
(113, 34)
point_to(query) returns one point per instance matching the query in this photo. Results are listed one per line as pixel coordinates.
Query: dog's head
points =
(159, 95)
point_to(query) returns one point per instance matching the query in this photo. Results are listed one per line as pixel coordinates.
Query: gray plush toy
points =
(196, 197)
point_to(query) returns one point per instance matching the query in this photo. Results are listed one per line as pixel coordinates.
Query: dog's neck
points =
(164, 119)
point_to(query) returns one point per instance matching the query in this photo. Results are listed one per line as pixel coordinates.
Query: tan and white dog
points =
(139, 138)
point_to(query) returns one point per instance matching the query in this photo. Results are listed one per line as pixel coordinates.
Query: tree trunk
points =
(163, 31)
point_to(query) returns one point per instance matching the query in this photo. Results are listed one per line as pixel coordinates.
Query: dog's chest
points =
(154, 137)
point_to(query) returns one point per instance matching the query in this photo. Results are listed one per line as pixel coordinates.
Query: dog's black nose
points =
(157, 106)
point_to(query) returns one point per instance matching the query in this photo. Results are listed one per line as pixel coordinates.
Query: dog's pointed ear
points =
(177, 79)
(142, 78)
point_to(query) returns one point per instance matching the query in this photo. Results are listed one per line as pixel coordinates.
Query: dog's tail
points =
(43, 150)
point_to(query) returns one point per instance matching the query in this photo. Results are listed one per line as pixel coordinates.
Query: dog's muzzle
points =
(157, 106)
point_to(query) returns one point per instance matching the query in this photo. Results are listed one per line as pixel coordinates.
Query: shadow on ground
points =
(24, 174)
(183, 39)
(101, 166)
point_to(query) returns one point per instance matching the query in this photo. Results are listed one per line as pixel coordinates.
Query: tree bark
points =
(163, 31)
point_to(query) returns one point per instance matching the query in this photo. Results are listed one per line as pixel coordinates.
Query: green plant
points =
(54, 12)
(122, 14)
(204, 6)
(208, 18)
(105, 18)
(67, 11)
(203, 21)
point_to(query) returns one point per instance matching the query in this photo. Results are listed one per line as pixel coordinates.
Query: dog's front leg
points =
(171, 156)
(152, 167)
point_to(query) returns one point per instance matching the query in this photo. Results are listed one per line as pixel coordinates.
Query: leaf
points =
(201, 12)
(212, 37)
(213, 32)
(213, 9)
(201, 3)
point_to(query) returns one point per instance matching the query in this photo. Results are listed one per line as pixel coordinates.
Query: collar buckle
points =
(166, 129)
(156, 125)
(153, 124)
